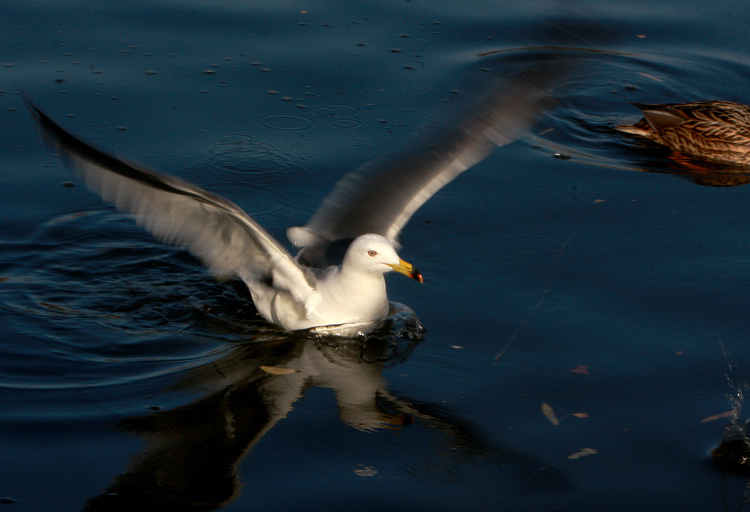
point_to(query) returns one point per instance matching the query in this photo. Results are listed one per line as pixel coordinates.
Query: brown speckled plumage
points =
(710, 130)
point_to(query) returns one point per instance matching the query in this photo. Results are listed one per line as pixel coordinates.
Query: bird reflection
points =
(702, 173)
(190, 462)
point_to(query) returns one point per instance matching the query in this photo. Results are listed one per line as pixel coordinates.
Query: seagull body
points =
(368, 207)
(342, 294)
(718, 131)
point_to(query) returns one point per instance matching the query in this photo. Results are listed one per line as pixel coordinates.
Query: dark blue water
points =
(610, 284)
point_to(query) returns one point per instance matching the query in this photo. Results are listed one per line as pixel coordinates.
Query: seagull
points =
(368, 207)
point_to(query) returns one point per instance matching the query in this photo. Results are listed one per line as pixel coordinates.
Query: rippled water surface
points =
(584, 294)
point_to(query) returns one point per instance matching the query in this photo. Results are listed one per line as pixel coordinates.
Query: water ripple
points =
(337, 110)
(589, 105)
(94, 301)
(267, 165)
(345, 124)
(286, 123)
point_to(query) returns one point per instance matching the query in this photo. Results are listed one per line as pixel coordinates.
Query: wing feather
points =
(382, 195)
(218, 232)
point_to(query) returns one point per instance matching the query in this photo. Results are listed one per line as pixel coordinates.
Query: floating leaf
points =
(649, 75)
(366, 471)
(550, 413)
(278, 370)
(583, 452)
(717, 417)
(581, 370)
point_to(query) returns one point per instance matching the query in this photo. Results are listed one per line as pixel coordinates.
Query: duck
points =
(713, 130)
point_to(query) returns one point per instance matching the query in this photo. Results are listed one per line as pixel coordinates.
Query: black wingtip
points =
(58, 138)
(33, 109)
(51, 131)
(69, 145)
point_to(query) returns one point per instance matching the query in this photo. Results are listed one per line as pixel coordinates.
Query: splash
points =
(733, 452)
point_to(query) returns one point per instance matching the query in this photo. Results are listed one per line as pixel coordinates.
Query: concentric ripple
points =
(95, 301)
(264, 163)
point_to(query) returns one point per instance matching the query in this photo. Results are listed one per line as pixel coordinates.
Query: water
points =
(608, 284)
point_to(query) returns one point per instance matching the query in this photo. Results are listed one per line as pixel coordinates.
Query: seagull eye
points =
(372, 253)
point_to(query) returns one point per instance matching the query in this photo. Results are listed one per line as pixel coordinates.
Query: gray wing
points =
(217, 231)
(382, 195)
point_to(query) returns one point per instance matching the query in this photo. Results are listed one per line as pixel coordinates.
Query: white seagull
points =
(369, 206)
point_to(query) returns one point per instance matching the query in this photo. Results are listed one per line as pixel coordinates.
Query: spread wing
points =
(382, 195)
(217, 231)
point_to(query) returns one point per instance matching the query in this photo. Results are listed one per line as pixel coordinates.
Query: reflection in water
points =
(703, 173)
(193, 451)
(700, 172)
(639, 156)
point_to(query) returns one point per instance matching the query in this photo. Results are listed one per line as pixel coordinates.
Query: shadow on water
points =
(193, 451)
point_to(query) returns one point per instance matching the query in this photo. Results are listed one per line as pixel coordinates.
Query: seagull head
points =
(376, 253)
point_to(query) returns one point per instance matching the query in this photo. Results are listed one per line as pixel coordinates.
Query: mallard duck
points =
(718, 131)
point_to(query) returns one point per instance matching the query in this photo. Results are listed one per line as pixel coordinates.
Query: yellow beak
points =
(408, 270)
